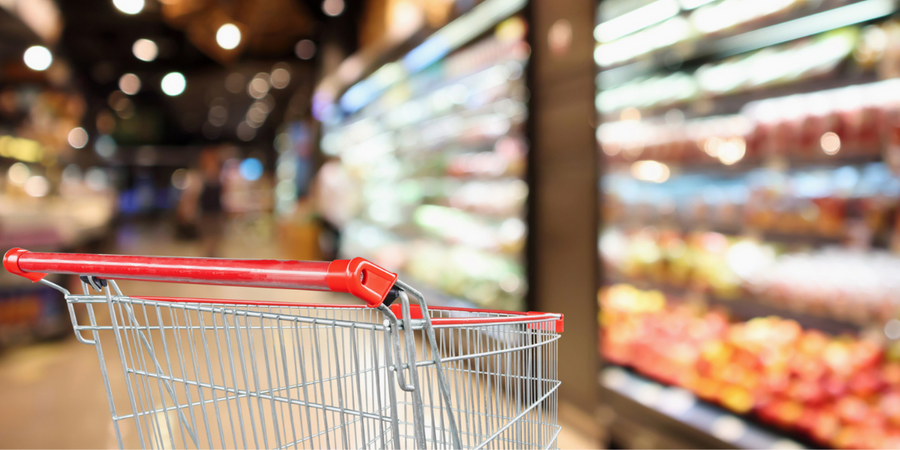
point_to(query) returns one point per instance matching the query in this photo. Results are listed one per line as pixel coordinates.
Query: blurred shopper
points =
(200, 207)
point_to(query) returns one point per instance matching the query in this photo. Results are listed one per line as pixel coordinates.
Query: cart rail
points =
(359, 277)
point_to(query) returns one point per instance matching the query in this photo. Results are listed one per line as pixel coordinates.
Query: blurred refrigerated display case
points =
(431, 161)
(749, 237)
(47, 201)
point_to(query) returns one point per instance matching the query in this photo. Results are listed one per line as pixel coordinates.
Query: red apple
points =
(834, 385)
(848, 437)
(852, 409)
(890, 406)
(865, 354)
(891, 373)
(866, 382)
(787, 413)
(736, 399)
(826, 427)
(807, 392)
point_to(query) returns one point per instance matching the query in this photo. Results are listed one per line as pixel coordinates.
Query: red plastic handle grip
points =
(365, 280)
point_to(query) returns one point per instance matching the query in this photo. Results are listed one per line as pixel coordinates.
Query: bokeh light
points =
(830, 143)
(228, 36)
(130, 84)
(105, 146)
(251, 169)
(18, 173)
(280, 78)
(78, 137)
(129, 6)
(333, 8)
(38, 58)
(36, 186)
(145, 50)
(173, 84)
(305, 49)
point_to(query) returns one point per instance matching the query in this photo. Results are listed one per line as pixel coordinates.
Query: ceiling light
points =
(228, 36)
(173, 84)
(145, 49)
(38, 58)
(333, 7)
(129, 6)
(130, 84)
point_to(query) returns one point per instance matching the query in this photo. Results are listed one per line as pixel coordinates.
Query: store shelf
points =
(677, 412)
(747, 307)
(775, 163)
(791, 240)
(731, 103)
(404, 135)
(798, 24)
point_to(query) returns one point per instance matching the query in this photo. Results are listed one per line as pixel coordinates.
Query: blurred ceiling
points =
(96, 46)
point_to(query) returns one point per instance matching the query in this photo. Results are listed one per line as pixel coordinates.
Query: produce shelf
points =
(746, 307)
(677, 412)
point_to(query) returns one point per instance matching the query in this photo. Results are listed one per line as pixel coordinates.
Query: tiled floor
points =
(52, 395)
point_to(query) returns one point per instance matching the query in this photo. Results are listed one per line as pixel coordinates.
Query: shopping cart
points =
(204, 373)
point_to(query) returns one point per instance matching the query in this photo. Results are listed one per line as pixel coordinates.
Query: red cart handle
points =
(365, 280)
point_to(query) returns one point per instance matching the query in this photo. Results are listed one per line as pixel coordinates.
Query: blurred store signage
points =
(21, 149)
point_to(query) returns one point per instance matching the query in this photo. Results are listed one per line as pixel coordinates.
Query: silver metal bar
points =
(418, 409)
(193, 354)
(237, 329)
(286, 380)
(442, 382)
(222, 372)
(128, 385)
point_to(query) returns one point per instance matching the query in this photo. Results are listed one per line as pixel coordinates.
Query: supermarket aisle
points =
(53, 394)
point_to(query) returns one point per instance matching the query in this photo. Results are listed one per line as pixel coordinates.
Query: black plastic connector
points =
(391, 295)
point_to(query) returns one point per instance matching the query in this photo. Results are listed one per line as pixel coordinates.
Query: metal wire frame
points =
(503, 379)
(210, 375)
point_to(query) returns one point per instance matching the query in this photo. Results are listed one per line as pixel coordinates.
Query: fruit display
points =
(843, 284)
(703, 262)
(839, 391)
(850, 122)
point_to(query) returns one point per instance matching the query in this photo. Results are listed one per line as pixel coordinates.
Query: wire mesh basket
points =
(204, 373)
